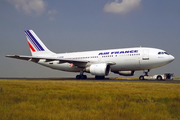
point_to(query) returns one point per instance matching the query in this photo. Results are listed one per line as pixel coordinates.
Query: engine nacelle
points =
(126, 73)
(101, 69)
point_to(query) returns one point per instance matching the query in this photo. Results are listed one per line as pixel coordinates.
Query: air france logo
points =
(118, 52)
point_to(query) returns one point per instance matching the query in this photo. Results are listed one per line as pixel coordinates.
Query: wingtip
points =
(8, 55)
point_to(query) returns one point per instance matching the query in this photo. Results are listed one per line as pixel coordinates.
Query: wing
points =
(79, 63)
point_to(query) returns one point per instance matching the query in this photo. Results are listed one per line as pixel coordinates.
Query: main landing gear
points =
(81, 76)
(99, 77)
(85, 77)
(146, 74)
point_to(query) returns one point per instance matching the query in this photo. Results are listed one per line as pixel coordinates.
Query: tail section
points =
(36, 45)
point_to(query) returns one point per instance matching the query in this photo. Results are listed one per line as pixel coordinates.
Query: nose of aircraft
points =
(171, 58)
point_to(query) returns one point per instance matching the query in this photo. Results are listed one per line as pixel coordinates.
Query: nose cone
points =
(171, 58)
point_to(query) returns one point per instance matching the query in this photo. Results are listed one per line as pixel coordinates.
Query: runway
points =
(93, 79)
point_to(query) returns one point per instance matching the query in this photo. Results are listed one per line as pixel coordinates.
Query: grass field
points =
(88, 100)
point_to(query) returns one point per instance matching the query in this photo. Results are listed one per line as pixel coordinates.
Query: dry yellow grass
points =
(87, 100)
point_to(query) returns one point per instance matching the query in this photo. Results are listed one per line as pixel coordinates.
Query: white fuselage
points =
(123, 61)
(137, 58)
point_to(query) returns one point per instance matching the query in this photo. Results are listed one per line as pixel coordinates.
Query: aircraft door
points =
(145, 55)
(99, 58)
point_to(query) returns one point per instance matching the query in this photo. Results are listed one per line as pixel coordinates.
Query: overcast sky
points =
(80, 25)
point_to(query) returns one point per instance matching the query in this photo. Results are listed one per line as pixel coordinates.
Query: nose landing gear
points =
(146, 74)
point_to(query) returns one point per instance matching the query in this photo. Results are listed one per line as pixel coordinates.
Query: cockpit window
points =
(160, 53)
(166, 53)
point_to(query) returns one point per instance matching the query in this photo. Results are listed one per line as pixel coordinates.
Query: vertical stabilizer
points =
(36, 46)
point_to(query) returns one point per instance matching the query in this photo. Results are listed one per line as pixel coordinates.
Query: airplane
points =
(122, 61)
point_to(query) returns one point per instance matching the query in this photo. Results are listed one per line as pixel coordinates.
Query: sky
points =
(78, 25)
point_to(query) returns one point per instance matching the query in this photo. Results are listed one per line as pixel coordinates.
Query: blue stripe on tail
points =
(31, 40)
(34, 41)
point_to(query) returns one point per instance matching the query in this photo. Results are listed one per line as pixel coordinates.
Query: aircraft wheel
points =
(159, 77)
(141, 77)
(81, 77)
(99, 77)
(78, 76)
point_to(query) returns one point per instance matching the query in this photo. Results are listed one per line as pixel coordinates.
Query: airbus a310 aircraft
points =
(100, 63)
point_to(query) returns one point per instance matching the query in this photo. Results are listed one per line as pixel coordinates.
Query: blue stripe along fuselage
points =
(34, 41)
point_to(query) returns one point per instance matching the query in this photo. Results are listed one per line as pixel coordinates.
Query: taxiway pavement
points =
(93, 79)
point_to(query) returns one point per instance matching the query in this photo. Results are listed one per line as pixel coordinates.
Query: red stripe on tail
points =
(31, 47)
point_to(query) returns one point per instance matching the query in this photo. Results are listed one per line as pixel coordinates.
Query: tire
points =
(99, 77)
(83, 77)
(141, 77)
(78, 76)
(159, 77)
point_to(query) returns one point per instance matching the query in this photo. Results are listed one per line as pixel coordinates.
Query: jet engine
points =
(125, 73)
(101, 69)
